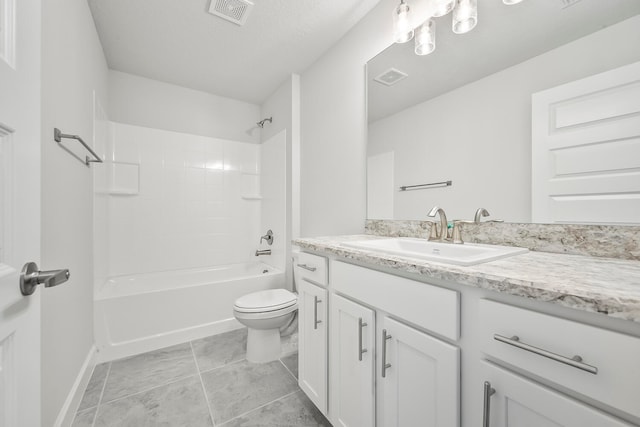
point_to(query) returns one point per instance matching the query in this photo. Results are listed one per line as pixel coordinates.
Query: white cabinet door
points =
(418, 378)
(352, 341)
(312, 327)
(519, 402)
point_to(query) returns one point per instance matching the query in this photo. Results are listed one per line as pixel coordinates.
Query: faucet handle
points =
(433, 231)
(456, 236)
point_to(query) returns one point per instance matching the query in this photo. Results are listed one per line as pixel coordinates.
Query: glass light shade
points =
(443, 7)
(510, 2)
(426, 38)
(402, 30)
(465, 16)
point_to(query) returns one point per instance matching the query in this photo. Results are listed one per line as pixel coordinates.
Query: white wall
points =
(479, 136)
(176, 201)
(284, 106)
(144, 102)
(273, 206)
(73, 66)
(333, 139)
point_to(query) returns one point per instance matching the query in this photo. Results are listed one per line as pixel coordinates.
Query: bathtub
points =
(144, 312)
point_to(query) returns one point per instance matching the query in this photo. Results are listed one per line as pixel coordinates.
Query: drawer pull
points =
(488, 392)
(575, 361)
(316, 301)
(306, 267)
(385, 365)
(361, 350)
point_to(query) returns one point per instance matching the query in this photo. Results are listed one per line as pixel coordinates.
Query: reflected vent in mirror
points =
(390, 77)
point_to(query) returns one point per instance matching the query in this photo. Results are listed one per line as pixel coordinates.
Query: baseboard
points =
(72, 402)
(112, 351)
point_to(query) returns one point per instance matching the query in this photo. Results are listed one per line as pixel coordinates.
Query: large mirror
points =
(463, 113)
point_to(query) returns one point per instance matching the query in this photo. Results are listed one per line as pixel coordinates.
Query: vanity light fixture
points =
(426, 38)
(510, 2)
(444, 7)
(465, 16)
(402, 29)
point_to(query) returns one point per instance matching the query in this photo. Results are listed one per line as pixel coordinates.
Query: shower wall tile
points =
(189, 211)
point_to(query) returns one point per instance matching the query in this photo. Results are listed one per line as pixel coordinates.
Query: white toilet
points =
(264, 313)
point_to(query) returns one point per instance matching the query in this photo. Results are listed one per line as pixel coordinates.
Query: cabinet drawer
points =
(312, 267)
(428, 306)
(547, 346)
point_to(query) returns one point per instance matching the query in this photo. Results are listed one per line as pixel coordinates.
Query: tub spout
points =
(263, 252)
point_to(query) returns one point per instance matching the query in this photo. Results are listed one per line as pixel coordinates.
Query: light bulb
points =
(510, 2)
(426, 38)
(443, 7)
(402, 30)
(465, 16)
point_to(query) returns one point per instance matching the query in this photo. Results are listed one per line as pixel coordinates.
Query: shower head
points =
(262, 122)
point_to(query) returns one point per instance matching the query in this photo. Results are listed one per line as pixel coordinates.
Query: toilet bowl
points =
(264, 313)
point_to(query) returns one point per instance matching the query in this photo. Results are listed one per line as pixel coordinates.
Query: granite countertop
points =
(604, 285)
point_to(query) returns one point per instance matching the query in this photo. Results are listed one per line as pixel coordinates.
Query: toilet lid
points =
(269, 300)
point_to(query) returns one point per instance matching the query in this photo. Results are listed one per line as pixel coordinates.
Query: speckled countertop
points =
(605, 285)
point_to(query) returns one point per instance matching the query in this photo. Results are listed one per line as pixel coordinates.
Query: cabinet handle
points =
(316, 301)
(575, 361)
(361, 350)
(488, 392)
(385, 365)
(306, 267)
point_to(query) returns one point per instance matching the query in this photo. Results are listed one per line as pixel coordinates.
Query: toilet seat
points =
(267, 301)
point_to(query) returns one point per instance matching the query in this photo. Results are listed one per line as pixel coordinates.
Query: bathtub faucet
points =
(263, 252)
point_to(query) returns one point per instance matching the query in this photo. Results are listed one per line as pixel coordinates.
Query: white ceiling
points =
(504, 36)
(179, 42)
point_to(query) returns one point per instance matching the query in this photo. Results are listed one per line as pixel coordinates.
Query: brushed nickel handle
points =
(316, 301)
(385, 365)
(30, 277)
(575, 361)
(488, 392)
(361, 350)
(306, 267)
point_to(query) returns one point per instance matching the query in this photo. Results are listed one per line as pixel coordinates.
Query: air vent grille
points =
(390, 77)
(235, 11)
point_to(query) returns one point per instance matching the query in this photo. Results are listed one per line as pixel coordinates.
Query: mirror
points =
(463, 113)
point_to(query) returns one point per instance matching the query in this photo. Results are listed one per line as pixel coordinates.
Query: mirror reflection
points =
(463, 113)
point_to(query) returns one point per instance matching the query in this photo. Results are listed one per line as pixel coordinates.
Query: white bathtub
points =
(143, 312)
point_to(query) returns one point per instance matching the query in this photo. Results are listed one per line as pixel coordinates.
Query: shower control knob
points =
(30, 277)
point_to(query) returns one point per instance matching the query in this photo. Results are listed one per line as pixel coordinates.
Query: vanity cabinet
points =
(312, 329)
(511, 400)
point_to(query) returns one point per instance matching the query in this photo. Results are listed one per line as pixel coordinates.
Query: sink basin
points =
(449, 253)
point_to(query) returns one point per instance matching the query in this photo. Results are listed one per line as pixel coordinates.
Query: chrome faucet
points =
(443, 232)
(479, 214)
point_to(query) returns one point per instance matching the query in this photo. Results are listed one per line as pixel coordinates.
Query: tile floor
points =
(205, 382)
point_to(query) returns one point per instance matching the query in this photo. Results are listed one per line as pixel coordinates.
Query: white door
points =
(312, 327)
(586, 150)
(351, 385)
(19, 210)
(519, 402)
(418, 378)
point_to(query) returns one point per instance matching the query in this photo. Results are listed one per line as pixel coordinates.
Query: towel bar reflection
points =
(58, 135)
(430, 185)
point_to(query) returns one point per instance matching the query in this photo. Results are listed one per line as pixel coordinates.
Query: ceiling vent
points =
(390, 77)
(567, 3)
(235, 11)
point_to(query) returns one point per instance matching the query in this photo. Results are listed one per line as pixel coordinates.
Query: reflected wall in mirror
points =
(464, 114)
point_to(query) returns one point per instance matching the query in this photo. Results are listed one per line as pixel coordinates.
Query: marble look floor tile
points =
(243, 386)
(92, 394)
(295, 410)
(181, 403)
(219, 350)
(144, 371)
(291, 363)
(85, 418)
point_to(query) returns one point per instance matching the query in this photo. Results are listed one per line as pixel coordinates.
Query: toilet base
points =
(263, 345)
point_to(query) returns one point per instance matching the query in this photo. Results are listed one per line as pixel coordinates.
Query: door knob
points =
(32, 277)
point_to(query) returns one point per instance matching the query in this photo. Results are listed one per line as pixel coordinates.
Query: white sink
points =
(449, 253)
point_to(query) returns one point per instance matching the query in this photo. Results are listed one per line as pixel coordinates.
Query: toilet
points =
(264, 313)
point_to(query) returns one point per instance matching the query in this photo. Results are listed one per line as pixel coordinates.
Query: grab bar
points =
(58, 135)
